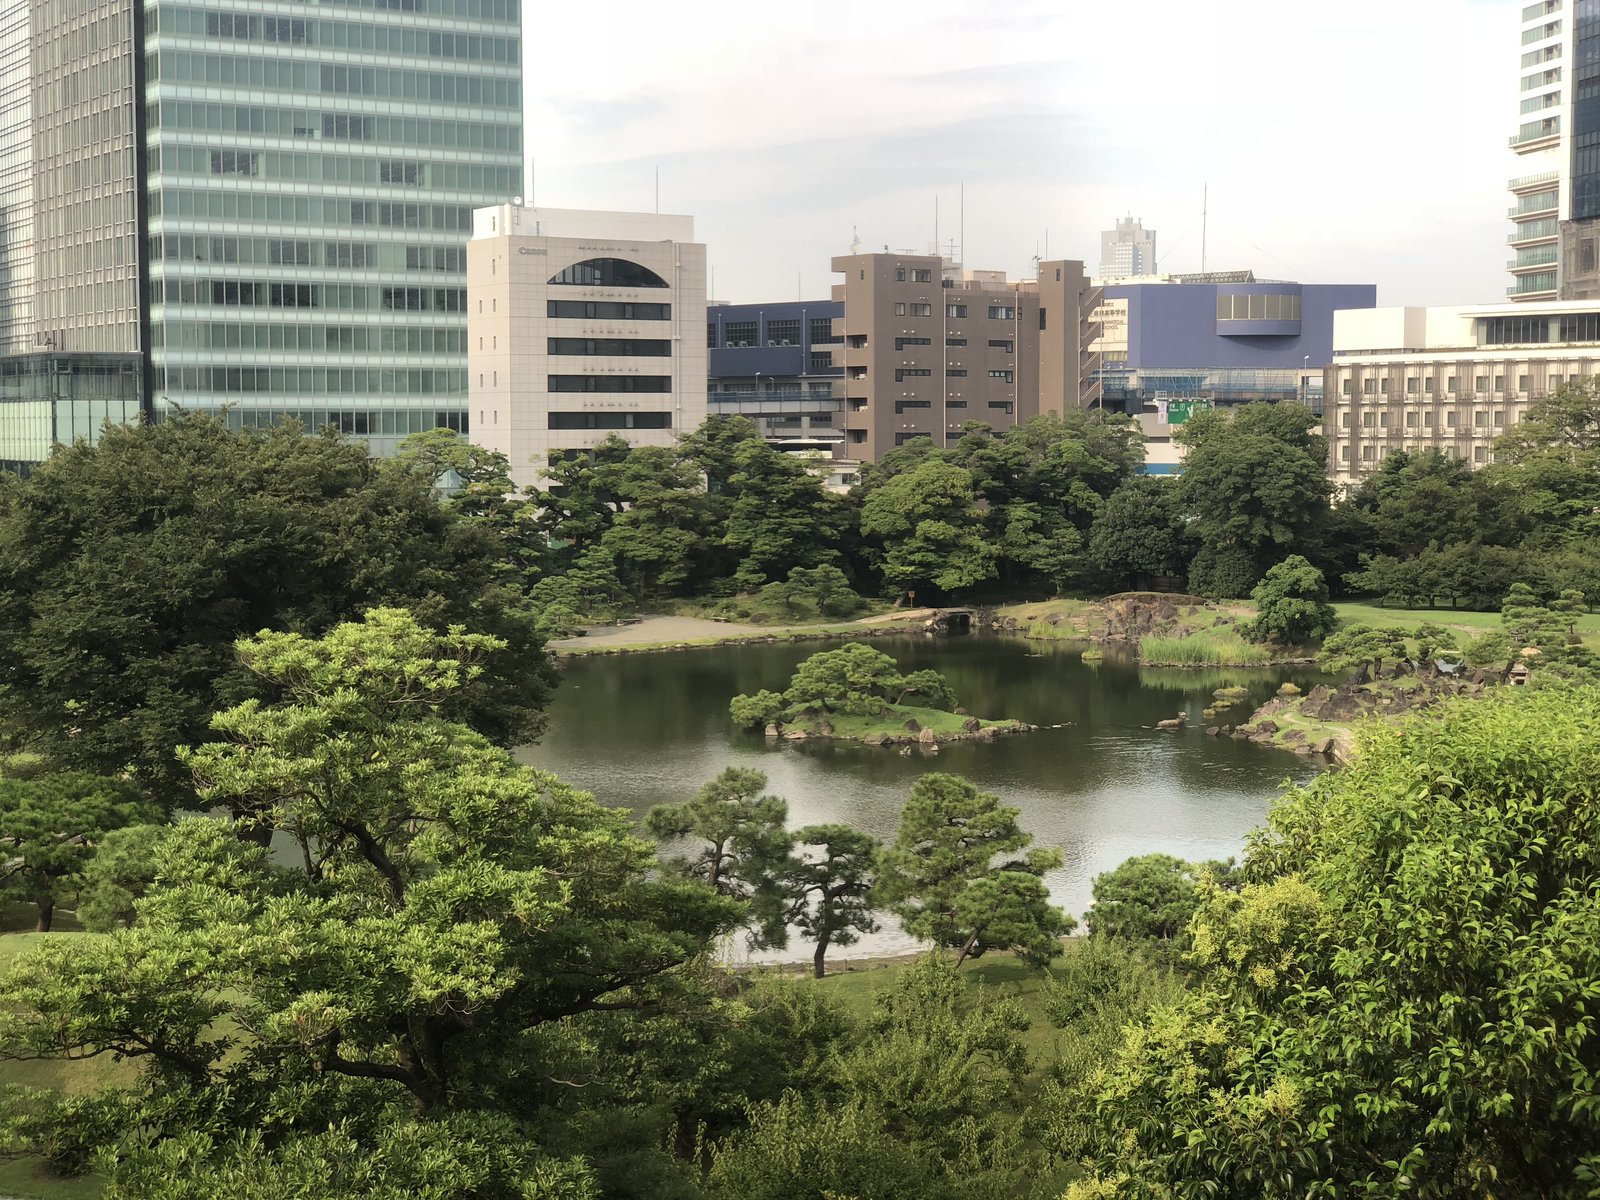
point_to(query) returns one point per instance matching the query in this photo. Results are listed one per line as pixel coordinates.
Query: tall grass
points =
(1204, 649)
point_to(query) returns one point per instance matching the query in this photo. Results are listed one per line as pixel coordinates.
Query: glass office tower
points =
(311, 171)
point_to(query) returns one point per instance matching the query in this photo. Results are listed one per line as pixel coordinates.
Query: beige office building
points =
(1451, 379)
(929, 347)
(581, 325)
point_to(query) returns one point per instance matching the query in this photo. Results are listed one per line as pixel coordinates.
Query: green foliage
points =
(129, 567)
(757, 710)
(926, 689)
(1223, 572)
(740, 842)
(930, 529)
(1435, 642)
(939, 877)
(1149, 896)
(1550, 629)
(1203, 649)
(1395, 1002)
(1363, 647)
(1490, 649)
(825, 590)
(443, 906)
(855, 679)
(119, 874)
(1141, 531)
(827, 891)
(1291, 605)
(50, 826)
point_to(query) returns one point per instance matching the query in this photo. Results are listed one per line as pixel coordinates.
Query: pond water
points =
(647, 728)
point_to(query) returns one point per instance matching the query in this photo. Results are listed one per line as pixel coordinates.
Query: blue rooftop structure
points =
(774, 363)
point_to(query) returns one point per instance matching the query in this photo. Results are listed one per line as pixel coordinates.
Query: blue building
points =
(1226, 338)
(775, 363)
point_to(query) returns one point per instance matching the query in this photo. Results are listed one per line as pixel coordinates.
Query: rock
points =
(971, 725)
(905, 751)
(1171, 723)
(1266, 727)
(1213, 731)
(1293, 737)
(931, 748)
(825, 729)
(772, 731)
(875, 739)
(1288, 688)
(1227, 729)
(1209, 713)
(960, 712)
(927, 737)
(795, 735)
(1322, 746)
(912, 725)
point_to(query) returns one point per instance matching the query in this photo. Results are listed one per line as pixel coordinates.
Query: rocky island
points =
(857, 693)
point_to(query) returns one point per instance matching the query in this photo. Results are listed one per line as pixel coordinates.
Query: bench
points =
(628, 620)
(723, 620)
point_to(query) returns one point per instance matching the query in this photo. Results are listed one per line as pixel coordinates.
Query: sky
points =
(1356, 142)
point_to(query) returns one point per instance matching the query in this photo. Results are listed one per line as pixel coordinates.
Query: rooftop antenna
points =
(658, 189)
(533, 178)
(855, 240)
(936, 222)
(963, 222)
(1205, 197)
(797, 289)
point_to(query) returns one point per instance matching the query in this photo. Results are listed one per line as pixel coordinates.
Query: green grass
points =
(893, 722)
(1077, 619)
(1204, 649)
(27, 1179)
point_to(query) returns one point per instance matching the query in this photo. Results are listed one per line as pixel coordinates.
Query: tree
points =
(50, 827)
(444, 907)
(854, 679)
(119, 874)
(827, 890)
(658, 539)
(129, 567)
(1254, 484)
(1141, 531)
(756, 711)
(1041, 543)
(928, 689)
(1363, 647)
(781, 518)
(1551, 464)
(1291, 605)
(1149, 896)
(929, 529)
(1380, 1010)
(939, 877)
(741, 844)
(1418, 499)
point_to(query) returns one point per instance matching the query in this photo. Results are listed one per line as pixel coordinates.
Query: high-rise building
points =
(583, 325)
(1555, 237)
(266, 206)
(1127, 251)
(930, 347)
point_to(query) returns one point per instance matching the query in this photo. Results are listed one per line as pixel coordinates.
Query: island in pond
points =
(857, 693)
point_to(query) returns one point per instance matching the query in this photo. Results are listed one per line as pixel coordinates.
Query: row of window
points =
(250, 293)
(330, 168)
(1259, 307)
(608, 272)
(1573, 327)
(306, 210)
(249, 335)
(1481, 419)
(622, 347)
(1006, 344)
(902, 374)
(316, 381)
(609, 420)
(304, 253)
(917, 274)
(1480, 454)
(1480, 384)
(903, 406)
(331, 79)
(339, 35)
(779, 332)
(382, 422)
(609, 383)
(607, 310)
(167, 115)
(996, 312)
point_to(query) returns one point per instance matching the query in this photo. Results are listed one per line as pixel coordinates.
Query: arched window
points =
(609, 272)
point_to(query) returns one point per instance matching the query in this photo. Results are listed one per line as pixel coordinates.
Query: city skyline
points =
(1366, 143)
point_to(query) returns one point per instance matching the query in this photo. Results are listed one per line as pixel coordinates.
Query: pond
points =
(647, 728)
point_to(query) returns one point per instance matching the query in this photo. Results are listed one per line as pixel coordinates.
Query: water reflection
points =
(640, 729)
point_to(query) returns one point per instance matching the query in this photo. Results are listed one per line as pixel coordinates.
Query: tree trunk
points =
(967, 949)
(816, 959)
(47, 912)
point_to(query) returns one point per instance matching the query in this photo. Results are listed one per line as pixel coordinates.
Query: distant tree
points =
(854, 679)
(756, 710)
(50, 827)
(1361, 647)
(1550, 461)
(781, 519)
(926, 689)
(1041, 543)
(738, 842)
(659, 540)
(1435, 641)
(1492, 649)
(826, 589)
(826, 890)
(1291, 605)
(1141, 530)
(929, 528)
(1418, 499)
(579, 498)
(941, 879)
(119, 874)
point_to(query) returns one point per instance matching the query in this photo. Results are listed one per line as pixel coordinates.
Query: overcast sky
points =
(1357, 142)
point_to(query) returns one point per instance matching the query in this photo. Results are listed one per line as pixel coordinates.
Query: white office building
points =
(1127, 251)
(581, 325)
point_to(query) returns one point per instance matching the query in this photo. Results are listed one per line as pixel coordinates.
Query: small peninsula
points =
(857, 693)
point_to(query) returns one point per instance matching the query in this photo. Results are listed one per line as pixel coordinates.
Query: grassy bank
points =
(1212, 648)
(893, 723)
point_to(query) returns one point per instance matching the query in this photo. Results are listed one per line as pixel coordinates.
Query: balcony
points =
(1522, 237)
(1536, 134)
(1517, 211)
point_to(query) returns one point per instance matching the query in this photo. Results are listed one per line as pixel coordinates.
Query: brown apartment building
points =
(929, 347)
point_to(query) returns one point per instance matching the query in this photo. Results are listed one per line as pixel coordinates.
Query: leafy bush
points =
(1291, 605)
(756, 711)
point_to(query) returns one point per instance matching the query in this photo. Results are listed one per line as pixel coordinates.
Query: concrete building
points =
(1127, 251)
(1452, 379)
(781, 365)
(263, 210)
(583, 324)
(930, 347)
(1555, 208)
(1222, 338)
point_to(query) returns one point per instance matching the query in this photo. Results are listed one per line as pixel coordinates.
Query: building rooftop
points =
(520, 221)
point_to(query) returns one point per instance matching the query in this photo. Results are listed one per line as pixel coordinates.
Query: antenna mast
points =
(1205, 196)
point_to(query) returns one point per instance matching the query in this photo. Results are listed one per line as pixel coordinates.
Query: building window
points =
(1344, 420)
(822, 360)
(1427, 420)
(1450, 384)
(903, 373)
(900, 343)
(955, 341)
(921, 275)
(1005, 375)
(1344, 453)
(901, 406)
(1368, 420)
(608, 272)
(1480, 383)
(619, 347)
(921, 310)
(609, 383)
(899, 308)
(607, 310)
(1411, 420)
(900, 439)
(1480, 454)
(1347, 387)
(1524, 383)
(1450, 420)
(956, 374)
(956, 311)
(1411, 386)
(235, 162)
(955, 404)
(739, 333)
(608, 420)
(1000, 405)
(899, 274)
(1499, 383)
(783, 333)
(1427, 385)
(1005, 344)
(1369, 387)
(1581, 327)
(1499, 418)
(822, 333)
(857, 436)
(1042, 311)
(1368, 453)
(1002, 312)
(711, 335)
